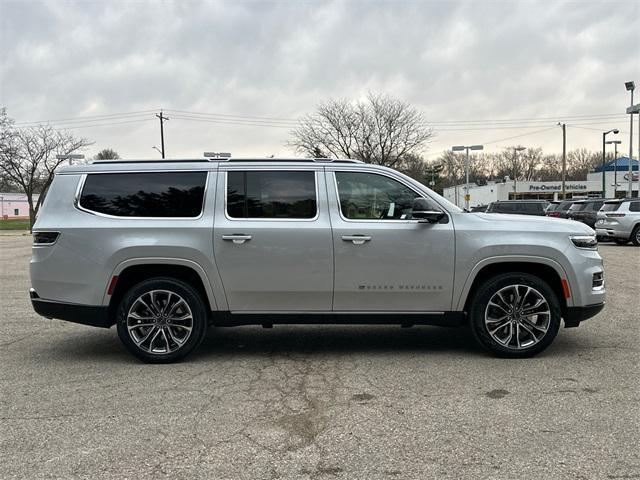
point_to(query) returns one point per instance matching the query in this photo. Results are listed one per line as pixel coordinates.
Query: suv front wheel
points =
(161, 320)
(515, 315)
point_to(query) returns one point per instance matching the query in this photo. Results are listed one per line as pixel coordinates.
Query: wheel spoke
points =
(517, 316)
(160, 322)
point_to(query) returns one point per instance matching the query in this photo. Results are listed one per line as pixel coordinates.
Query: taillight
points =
(553, 214)
(614, 215)
(45, 238)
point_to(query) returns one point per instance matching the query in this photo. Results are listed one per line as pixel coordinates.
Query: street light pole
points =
(459, 148)
(615, 144)
(631, 86)
(564, 158)
(604, 143)
(515, 173)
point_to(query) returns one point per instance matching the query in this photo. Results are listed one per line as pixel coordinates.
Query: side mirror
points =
(424, 212)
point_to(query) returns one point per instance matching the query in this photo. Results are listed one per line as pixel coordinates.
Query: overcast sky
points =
(459, 62)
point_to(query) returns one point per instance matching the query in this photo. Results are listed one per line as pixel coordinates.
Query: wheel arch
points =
(544, 268)
(133, 271)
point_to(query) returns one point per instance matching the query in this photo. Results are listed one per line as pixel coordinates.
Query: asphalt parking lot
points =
(370, 402)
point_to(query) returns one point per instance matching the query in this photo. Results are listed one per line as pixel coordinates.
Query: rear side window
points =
(157, 194)
(634, 206)
(594, 206)
(610, 206)
(576, 207)
(274, 195)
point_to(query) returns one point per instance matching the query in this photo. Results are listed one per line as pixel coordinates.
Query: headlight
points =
(588, 242)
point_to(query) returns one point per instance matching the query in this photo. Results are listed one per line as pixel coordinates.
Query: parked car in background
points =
(479, 208)
(585, 211)
(559, 208)
(619, 220)
(520, 207)
(162, 250)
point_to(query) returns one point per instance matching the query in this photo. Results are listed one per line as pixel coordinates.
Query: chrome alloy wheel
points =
(517, 316)
(159, 322)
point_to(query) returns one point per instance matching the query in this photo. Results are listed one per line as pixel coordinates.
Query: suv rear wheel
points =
(161, 320)
(515, 315)
(635, 236)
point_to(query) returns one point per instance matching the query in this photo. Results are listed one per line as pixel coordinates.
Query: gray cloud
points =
(454, 60)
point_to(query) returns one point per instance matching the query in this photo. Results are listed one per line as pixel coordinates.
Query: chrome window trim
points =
(381, 220)
(254, 219)
(80, 187)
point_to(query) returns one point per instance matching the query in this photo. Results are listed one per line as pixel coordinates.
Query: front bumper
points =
(575, 315)
(93, 315)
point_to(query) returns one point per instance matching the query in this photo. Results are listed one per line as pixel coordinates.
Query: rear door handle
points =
(356, 239)
(236, 238)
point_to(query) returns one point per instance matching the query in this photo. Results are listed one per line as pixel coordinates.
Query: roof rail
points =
(232, 159)
(295, 160)
(119, 160)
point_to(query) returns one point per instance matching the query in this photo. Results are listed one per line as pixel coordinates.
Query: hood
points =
(531, 223)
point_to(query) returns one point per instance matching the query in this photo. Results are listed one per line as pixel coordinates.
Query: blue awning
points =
(621, 163)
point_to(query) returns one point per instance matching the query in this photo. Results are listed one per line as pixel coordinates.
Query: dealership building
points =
(616, 175)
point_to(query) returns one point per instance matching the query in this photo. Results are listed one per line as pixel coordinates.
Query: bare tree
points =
(107, 154)
(28, 157)
(380, 129)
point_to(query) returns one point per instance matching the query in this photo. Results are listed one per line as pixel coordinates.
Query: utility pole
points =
(162, 119)
(564, 159)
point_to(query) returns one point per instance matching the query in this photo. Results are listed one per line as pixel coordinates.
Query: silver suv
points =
(619, 220)
(165, 249)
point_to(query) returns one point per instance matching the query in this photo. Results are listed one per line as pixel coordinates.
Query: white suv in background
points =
(619, 220)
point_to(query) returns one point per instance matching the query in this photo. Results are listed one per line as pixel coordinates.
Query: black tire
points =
(635, 236)
(621, 241)
(194, 311)
(480, 304)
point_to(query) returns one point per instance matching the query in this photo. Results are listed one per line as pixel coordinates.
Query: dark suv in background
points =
(585, 211)
(520, 207)
(559, 208)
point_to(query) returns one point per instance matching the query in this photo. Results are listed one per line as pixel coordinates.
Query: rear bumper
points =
(611, 233)
(575, 315)
(93, 315)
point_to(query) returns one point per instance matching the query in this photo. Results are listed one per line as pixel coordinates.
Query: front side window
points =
(367, 196)
(271, 195)
(157, 194)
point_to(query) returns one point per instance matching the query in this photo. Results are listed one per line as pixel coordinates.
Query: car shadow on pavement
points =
(104, 345)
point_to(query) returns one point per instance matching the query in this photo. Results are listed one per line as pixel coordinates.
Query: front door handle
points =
(356, 239)
(237, 238)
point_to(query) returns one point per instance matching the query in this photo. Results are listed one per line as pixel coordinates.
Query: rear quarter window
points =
(156, 194)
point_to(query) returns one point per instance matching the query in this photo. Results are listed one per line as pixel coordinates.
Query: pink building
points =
(14, 205)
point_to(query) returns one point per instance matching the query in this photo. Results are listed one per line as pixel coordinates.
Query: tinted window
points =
(576, 207)
(531, 207)
(594, 206)
(166, 194)
(610, 206)
(634, 206)
(271, 194)
(367, 196)
(564, 206)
